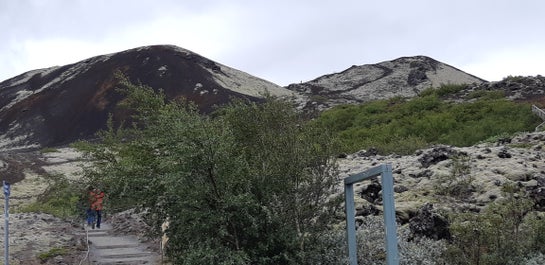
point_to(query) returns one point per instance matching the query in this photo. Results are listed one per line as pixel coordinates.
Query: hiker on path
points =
(90, 217)
(96, 199)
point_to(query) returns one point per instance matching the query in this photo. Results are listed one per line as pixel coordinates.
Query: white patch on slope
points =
(247, 84)
(347, 79)
(367, 82)
(21, 95)
(15, 143)
(75, 70)
(21, 79)
(9, 144)
(238, 81)
(67, 161)
(449, 75)
(70, 73)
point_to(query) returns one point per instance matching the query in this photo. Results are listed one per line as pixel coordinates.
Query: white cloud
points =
(283, 41)
(494, 65)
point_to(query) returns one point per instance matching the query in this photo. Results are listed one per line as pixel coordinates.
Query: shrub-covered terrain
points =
(404, 125)
(252, 184)
(258, 184)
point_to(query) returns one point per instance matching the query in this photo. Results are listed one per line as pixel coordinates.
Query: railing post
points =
(350, 224)
(392, 257)
(6, 186)
(389, 216)
(540, 113)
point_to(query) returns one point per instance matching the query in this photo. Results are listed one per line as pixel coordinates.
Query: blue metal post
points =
(350, 223)
(392, 257)
(6, 230)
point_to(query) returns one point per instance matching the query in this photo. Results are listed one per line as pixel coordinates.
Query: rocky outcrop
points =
(430, 224)
(436, 155)
(432, 177)
(519, 88)
(402, 77)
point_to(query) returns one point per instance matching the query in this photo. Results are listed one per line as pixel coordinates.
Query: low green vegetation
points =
(48, 150)
(251, 184)
(506, 232)
(62, 198)
(404, 125)
(443, 90)
(257, 183)
(51, 253)
(459, 183)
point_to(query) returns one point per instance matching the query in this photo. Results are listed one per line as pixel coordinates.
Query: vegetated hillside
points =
(449, 200)
(469, 175)
(458, 115)
(58, 105)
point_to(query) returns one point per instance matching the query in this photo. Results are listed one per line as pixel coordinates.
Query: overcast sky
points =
(283, 41)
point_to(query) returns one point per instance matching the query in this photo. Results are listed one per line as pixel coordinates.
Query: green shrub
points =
(449, 89)
(51, 253)
(430, 91)
(501, 234)
(485, 94)
(61, 199)
(514, 78)
(48, 150)
(459, 183)
(443, 90)
(387, 124)
(254, 183)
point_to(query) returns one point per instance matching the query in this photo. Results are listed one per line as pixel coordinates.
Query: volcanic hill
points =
(403, 77)
(59, 105)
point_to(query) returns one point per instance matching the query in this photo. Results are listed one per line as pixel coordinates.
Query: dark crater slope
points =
(59, 105)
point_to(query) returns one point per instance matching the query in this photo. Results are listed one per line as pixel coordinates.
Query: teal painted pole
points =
(392, 257)
(350, 223)
(6, 215)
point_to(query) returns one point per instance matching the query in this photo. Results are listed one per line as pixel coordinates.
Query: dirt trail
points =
(108, 248)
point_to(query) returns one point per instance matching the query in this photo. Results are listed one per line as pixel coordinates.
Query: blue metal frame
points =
(392, 257)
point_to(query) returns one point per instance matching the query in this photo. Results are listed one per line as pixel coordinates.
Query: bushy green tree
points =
(251, 184)
(501, 234)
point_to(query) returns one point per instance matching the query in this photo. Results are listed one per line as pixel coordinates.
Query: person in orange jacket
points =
(96, 200)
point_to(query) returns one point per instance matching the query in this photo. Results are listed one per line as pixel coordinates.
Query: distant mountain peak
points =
(404, 76)
(61, 104)
(58, 105)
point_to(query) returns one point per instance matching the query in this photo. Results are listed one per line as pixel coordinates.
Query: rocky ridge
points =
(402, 77)
(61, 104)
(517, 88)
